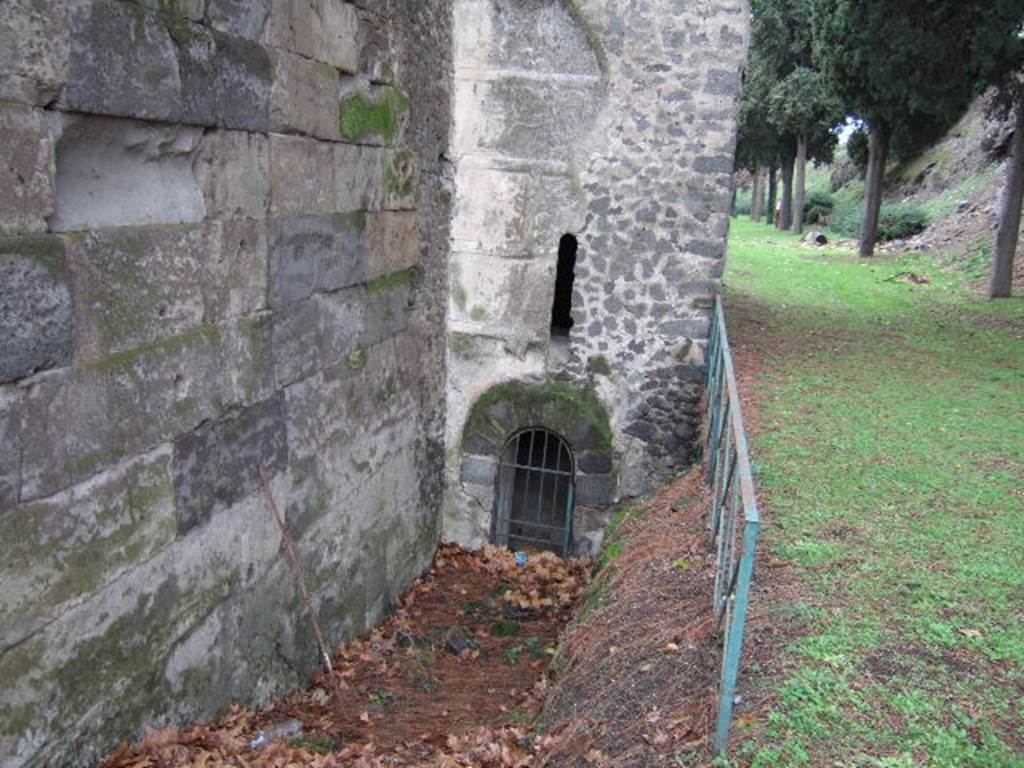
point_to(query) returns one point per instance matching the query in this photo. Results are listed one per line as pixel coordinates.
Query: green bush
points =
(818, 205)
(897, 221)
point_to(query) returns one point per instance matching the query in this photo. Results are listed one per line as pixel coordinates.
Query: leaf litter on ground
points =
(434, 685)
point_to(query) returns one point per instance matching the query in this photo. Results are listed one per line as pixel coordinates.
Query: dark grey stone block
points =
(478, 470)
(594, 462)
(244, 18)
(720, 164)
(35, 305)
(595, 490)
(216, 465)
(132, 61)
(309, 254)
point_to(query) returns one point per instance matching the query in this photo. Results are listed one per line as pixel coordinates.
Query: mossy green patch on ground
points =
(360, 116)
(891, 457)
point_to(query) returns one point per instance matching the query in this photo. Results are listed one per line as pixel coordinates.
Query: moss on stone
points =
(393, 280)
(47, 250)
(598, 366)
(459, 295)
(360, 116)
(464, 345)
(122, 362)
(478, 313)
(356, 359)
(558, 406)
(397, 178)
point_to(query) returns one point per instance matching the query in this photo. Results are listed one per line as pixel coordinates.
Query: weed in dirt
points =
(505, 628)
(891, 460)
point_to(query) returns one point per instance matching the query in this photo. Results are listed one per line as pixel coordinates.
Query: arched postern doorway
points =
(535, 493)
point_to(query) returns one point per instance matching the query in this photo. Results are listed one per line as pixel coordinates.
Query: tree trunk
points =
(773, 192)
(878, 154)
(1009, 217)
(800, 192)
(757, 195)
(786, 210)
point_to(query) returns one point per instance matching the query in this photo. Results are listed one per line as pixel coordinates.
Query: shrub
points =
(897, 221)
(741, 206)
(819, 204)
(900, 221)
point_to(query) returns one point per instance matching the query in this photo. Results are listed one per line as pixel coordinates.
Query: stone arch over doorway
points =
(575, 415)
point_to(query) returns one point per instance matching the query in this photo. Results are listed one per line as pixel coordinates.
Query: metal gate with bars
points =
(536, 493)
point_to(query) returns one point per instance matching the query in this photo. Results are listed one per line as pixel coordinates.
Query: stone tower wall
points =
(223, 243)
(614, 121)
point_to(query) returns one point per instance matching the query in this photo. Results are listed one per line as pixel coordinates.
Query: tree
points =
(997, 58)
(803, 105)
(900, 65)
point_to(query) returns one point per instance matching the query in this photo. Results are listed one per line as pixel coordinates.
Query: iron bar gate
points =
(536, 493)
(734, 519)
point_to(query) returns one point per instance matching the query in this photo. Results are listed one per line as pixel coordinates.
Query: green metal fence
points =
(734, 519)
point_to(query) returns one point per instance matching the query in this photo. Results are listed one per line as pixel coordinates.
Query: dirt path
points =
(444, 681)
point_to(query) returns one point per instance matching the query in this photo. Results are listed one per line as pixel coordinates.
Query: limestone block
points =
(528, 118)
(309, 254)
(392, 243)
(26, 170)
(316, 333)
(225, 80)
(134, 286)
(388, 304)
(546, 38)
(377, 53)
(98, 665)
(10, 446)
(189, 73)
(68, 545)
(215, 466)
(401, 180)
(244, 18)
(132, 400)
(491, 213)
(44, 414)
(301, 176)
(235, 274)
(114, 172)
(304, 96)
(485, 293)
(359, 173)
(34, 42)
(233, 169)
(122, 62)
(188, 9)
(323, 30)
(370, 178)
(35, 305)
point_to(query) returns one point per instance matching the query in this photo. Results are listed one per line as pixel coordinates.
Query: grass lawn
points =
(890, 454)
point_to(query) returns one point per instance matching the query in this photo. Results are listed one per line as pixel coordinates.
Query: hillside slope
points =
(958, 183)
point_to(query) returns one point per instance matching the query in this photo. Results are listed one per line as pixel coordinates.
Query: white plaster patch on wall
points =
(113, 172)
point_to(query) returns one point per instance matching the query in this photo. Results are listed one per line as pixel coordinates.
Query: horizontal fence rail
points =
(734, 520)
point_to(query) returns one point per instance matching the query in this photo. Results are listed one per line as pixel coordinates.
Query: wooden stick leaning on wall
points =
(293, 556)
